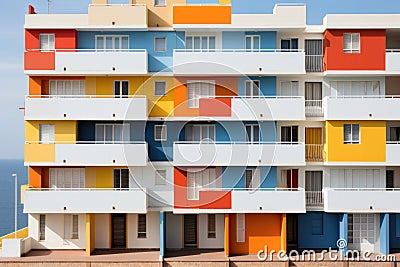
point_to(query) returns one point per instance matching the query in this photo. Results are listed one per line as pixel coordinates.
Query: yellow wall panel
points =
(64, 131)
(90, 85)
(90, 173)
(224, 2)
(372, 147)
(104, 177)
(160, 16)
(40, 153)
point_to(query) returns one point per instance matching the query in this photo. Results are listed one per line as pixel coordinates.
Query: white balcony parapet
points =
(275, 200)
(392, 153)
(238, 154)
(378, 107)
(278, 108)
(85, 200)
(393, 60)
(85, 107)
(238, 61)
(363, 200)
(86, 153)
(107, 62)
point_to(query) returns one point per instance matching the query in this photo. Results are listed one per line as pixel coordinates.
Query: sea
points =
(7, 189)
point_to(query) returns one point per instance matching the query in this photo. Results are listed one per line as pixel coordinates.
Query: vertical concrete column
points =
(226, 235)
(90, 234)
(384, 233)
(343, 231)
(162, 234)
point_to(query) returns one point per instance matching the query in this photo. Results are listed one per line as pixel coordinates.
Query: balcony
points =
(314, 153)
(362, 108)
(81, 62)
(363, 200)
(114, 16)
(393, 60)
(314, 63)
(200, 14)
(85, 200)
(238, 62)
(392, 153)
(268, 108)
(85, 107)
(314, 108)
(275, 200)
(314, 199)
(238, 154)
(86, 154)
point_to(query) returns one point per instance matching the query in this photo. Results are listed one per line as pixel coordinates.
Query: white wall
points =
(102, 230)
(301, 80)
(211, 243)
(55, 232)
(152, 239)
(174, 231)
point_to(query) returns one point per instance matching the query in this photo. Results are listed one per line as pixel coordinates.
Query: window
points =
(361, 228)
(112, 133)
(252, 88)
(211, 229)
(355, 88)
(355, 178)
(67, 178)
(289, 88)
(42, 227)
(397, 223)
(290, 44)
(203, 43)
(240, 227)
(252, 179)
(313, 181)
(317, 223)
(394, 133)
(252, 42)
(160, 132)
(46, 133)
(160, 88)
(160, 3)
(200, 132)
(352, 133)
(142, 227)
(160, 44)
(290, 134)
(121, 89)
(67, 88)
(112, 42)
(389, 179)
(253, 133)
(161, 177)
(199, 179)
(351, 43)
(121, 178)
(289, 178)
(71, 226)
(197, 90)
(46, 42)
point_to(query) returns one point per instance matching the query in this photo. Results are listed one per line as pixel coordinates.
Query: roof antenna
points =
(48, 6)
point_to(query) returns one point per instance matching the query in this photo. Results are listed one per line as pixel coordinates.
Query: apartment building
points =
(173, 124)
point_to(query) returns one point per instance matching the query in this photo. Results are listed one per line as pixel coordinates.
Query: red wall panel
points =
(64, 39)
(372, 54)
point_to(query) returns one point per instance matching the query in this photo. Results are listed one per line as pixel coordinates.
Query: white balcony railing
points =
(363, 200)
(393, 60)
(85, 200)
(238, 61)
(392, 153)
(85, 107)
(314, 108)
(86, 153)
(314, 199)
(190, 153)
(314, 152)
(314, 63)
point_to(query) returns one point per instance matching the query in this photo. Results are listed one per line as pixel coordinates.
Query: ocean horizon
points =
(7, 189)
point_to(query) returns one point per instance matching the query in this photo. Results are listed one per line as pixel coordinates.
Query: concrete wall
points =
(152, 239)
(211, 243)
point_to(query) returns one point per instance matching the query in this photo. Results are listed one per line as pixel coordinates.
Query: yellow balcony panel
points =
(40, 153)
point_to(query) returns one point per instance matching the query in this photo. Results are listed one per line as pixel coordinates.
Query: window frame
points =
(120, 171)
(160, 180)
(250, 139)
(252, 83)
(165, 87)
(291, 142)
(201, 37)
(155, 44)
(105, 49)
(121, 82)
(125, 134)
(163, 130)
(53, 139)
(351, 141)
(195, 101)
(42, 234)
(352, 50)
(252, 36)
(51, 49)
(212, 233)
(142, 234)
(292, 87)
(158, 5)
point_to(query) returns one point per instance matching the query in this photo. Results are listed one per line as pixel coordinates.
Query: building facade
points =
(177, 124)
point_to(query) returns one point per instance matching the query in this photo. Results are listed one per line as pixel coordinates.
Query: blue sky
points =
(14, 84)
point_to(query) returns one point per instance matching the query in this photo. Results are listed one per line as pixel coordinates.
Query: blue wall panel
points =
(235, 131)
(330, 231)
(236, 40)
(233, 177)
(267, 85)
(394, 231)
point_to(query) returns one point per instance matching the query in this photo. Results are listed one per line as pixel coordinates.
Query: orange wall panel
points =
(207, 199)
(372, 54)
(260, 230)
(195, 14)
(224, 86)
(35, 177)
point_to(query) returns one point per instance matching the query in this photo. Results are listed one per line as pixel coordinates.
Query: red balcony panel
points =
(36, 60)
(215, 107)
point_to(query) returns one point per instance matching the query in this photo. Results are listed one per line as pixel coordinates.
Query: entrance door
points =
(190, 230)
(118, 231)
(314, 55)
(291, 231)
(361, 231)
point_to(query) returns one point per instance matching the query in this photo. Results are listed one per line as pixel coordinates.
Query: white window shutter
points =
(191, 185)
(240, 227)
(52, 178)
